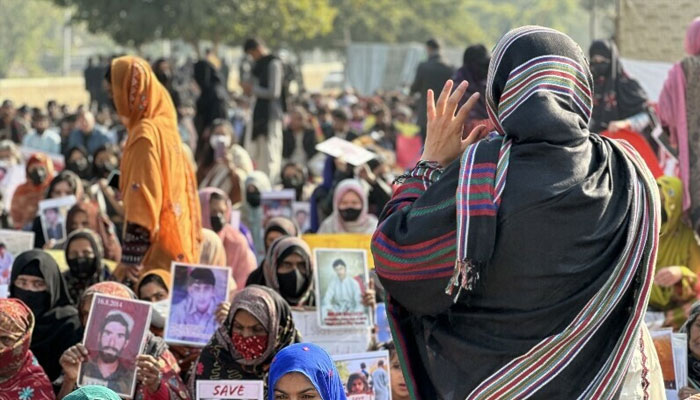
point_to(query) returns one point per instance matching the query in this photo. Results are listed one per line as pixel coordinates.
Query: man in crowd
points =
(105, 369)
(193, 317)
(10, 126)
(344, 294)
(42, 137)
(265, 136)
(88, 134)
(431, 74)
(380, 382)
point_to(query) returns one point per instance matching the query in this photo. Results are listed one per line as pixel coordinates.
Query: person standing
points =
(431, 74)
(158, 187)
(264, 141)
(516, 247)
(380, 381)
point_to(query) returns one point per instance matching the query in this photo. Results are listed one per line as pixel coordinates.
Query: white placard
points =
(230, 390)
(334, 341)
(351, 153)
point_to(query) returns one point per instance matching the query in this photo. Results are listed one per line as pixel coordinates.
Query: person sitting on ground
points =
(83, 253)
(258, 325)
(349, 210)
(88, 134)
(92, 392)
(41, 137)
(66, 183)
(157, 371)
(304, 371)
(37, 281)
(21, 377)
(25, 200)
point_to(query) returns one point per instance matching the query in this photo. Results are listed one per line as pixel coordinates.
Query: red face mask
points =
(251, 347)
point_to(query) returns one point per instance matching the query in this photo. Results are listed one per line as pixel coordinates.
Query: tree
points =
(25, 29)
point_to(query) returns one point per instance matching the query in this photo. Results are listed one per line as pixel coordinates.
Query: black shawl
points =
(261, 111)
(212, 101)
(57, 329)
(542, 241)
(617, 96)
(76, 286)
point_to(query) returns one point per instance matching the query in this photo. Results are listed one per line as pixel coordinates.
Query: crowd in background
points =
(241, 145)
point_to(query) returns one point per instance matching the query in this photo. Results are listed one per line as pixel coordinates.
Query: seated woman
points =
(92, 392)
(155, 287)
(277, 227)
(25, 200)
(304, 371)
(212, 249)
(37, 281)
(678, 257)
(691, 327)
(216, 215)
(78, 161)
(156, 369)
(259, 324)
(349, 210)
(251, 212)
(20, 376)
(66, 183)
(288, 270)
(399, 390)
(86, 215)
(83, 253)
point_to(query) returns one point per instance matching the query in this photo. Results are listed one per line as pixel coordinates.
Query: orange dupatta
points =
(157, 182)
(25, 200)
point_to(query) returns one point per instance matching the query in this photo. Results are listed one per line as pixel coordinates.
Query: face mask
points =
(350, 214)
(38, 302)
(103, 170)
(37, 176)
(161, 309)
(78, 166)
(217, 222)
(600, 68)
(291, 284)
(292, 182)
(217, 141)
(664, 216)
(251, 347)
(82, 267)
(253, 198)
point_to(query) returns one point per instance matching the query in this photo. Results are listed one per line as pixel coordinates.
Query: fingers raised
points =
(430, 105)
(444, 95)
(455, 97)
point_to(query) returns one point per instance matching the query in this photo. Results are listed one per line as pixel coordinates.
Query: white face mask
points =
(219, 141)
(161, 309)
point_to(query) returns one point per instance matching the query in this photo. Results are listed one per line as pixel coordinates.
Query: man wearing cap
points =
(105, 369)
(193, 317)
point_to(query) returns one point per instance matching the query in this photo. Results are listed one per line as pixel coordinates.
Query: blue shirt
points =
(48, 142)
(92, 142)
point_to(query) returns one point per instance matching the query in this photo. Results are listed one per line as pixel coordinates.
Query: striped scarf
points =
(482, 179)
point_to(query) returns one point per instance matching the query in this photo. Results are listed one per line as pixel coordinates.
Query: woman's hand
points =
(148, 372)
(369, 298)
(443, 142)
(222, 312)
(70, 362)
(668, 276)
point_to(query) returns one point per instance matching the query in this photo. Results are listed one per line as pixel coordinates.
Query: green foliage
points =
(25, 30)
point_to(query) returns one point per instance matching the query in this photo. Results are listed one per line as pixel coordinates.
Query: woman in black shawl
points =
(619, 102)
(549, 243)
(83, 254)
(258, 325)
(37, 281)
(474, 69)
(212, 101)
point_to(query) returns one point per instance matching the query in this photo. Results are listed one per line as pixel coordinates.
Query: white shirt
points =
(48, 142)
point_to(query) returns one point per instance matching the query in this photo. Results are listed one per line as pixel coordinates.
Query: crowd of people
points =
(166, 165)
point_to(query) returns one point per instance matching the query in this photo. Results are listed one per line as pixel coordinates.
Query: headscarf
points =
(221, 361)
(76, 285)
(101, 225)
(539, 183)
(164, 278)
(92, 392)
(693, 363)
(73, 181)
(114, 289)
(283, 225)
(25, 200)
(616, 95)
(279, 250)
(314, 363)
(159, 193)
(238, 254)
(19, 375)
(58, 327)
(365, 223)
(213, 252)
(673, 112)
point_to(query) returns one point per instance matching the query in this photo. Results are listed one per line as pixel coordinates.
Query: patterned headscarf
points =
(221, 361)
(279, 249)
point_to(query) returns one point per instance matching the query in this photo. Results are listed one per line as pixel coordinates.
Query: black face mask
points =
(350, 214)
(217, 222)
(599, 69)
(291, 284)
(79, 166)
(664, 216)
(103, 170)
(295, 182)
(38, 302)
(253, 198)
(37, 176)
(82, 267)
